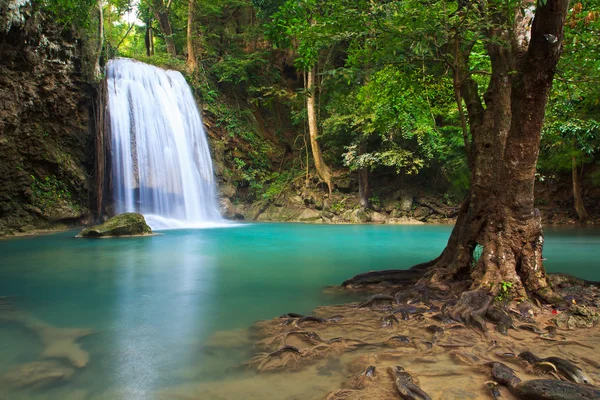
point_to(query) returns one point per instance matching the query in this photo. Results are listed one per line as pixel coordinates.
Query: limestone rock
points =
(378, 217)
(577, 317)
(346, 215)
(406, 201)
(421, 213)
(309, 215)
(227, 208)
(396, 213)
(390, 205)
(227, 190)
(327, 214)
(359, 216)
(126, 224)
(39, 374)
(405, 221)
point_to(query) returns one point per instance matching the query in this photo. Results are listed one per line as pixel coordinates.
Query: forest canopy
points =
(368, 87)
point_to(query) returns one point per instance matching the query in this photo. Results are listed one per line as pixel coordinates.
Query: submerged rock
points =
(126, 224)
(39, 374)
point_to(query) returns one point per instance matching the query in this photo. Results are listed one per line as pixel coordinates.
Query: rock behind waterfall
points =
(126, 224)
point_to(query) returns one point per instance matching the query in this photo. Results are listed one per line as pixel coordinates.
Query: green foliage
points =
(48, 191)
(504, 291)
(572, 128)
(337, 207)
(374, 200)
(70, 12)
(278, 182)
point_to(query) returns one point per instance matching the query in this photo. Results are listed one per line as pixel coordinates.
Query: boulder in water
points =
(126, 224)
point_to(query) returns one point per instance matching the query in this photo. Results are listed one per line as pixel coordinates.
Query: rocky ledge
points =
(126, 224)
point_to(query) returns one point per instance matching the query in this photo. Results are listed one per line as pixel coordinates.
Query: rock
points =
(406, 201)
(227, 190)
(405, 221)
(346, 216)
(126, 224)
(390, 205)
(378, 217)
(396, 213)
(296, 200)
(376, 207)
(421, 213)
(227, 208)
(309, 215)
(359, 216)
(38, 374)
(577, 317)
(327, 214)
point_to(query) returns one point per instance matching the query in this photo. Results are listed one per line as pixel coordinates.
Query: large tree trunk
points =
(322, 168)
(161, 13)
(191, 57)
(499, 213)
(579, 207)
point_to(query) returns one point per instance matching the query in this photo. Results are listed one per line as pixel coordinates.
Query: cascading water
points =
(161, 162)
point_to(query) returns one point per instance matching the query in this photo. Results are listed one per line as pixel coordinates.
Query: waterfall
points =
(161, 163)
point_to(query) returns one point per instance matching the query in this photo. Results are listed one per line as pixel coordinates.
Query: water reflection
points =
(161, 306)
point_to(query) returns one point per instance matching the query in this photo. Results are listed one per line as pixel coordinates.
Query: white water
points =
(160, 156)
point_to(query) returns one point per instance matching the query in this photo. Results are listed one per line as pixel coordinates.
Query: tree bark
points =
(363, 187)
(191, 57)
(322, 168)
(499, 212)
(579, 207)
(97, 71)
(161, 13)
(148, 37)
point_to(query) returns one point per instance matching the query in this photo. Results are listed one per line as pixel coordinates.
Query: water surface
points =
(157, 302)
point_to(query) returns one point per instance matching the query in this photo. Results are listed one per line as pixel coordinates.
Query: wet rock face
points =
(126, 224)
(44, 116)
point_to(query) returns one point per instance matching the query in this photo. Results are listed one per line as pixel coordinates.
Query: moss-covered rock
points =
(126, 224)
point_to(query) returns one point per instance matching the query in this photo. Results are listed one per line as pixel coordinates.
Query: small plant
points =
(46, 192)
(504, 292)
(337, 207)
(374, 200)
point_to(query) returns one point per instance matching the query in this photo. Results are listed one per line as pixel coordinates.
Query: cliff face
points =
(45, 120)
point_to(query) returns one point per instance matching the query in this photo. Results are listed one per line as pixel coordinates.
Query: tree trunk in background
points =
(499, 213)
(322, 168)
(97, 71)
(579, 207)
(161, 13)
(191, 58)
(363, 187)
(148, 37)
